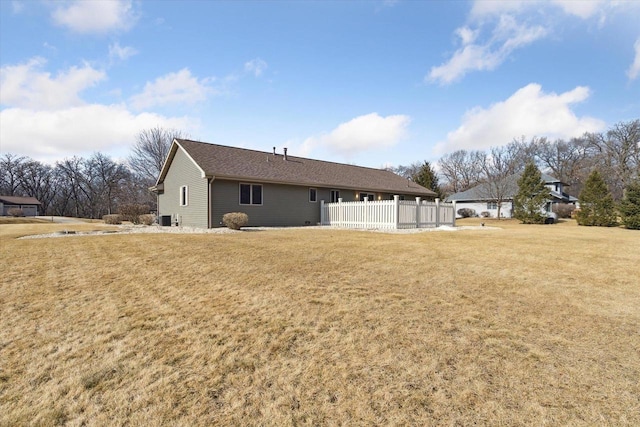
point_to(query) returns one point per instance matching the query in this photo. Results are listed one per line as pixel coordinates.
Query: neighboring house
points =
(478, 198)
(200, 182)
(28, 205)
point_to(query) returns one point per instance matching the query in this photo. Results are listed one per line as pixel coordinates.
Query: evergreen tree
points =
(630, 206)
(596, 203)
(428, 178)
(532, 196)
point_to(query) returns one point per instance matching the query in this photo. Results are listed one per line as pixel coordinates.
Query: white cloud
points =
(102, 16)
(52, 135)
(121, 53)
(507, 36)
(467, 35)
(363, 133)
(17, 6)
(580, 8)
(496, 29)
(634, 69)
(44, 117)
(173, 88)
(26, 85)
(530, 112)
(255, 66)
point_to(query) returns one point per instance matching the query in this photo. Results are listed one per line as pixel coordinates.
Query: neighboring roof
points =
(481, 193)
(15, 200)
(548, 179)
(563, 197)
(223, 162)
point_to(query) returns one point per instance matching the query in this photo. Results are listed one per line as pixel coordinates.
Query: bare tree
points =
(461, 170)
(109, 178)
(10, 172)
(150, 151)
(522, 152)
(499, 167)
(72, 173)
(406, 171)
(568, 161)
(618, 155)
(36, 180)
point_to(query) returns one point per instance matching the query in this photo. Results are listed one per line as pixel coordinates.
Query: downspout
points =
(210, 202)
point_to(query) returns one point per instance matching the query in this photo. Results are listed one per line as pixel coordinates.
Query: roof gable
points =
(16, 200)
(226, 162)
(481, 191)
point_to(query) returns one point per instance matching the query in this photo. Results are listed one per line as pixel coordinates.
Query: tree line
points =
(94, 186)
(614, 153)
(97, 185)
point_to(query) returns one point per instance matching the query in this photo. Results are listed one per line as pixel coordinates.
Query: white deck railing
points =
(388, 214)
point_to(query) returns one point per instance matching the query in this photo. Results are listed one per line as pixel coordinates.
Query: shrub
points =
(564, 210)
(112, 219)
(485, 214)
(466, 212)
(596, 203)
(147, 219)
(15, 212)
(532, 196)
(235, 220)
(630, 206)
(132, 212)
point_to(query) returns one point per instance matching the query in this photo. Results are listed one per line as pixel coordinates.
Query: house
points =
(28, 205)
(200, 182)
(480, 200)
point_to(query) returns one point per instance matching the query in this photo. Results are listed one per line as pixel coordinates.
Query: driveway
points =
(62, 219)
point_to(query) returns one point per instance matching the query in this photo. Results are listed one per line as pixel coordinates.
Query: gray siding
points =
(282, 205)
(27, 210)
(184, 172)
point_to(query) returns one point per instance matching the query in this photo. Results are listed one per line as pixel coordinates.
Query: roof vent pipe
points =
(285, 153)
(274, 151)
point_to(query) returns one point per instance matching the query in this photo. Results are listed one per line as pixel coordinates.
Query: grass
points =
(6, 220)
(520, 325)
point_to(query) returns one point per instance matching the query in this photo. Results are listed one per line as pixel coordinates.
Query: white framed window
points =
(367, 196)
(313, 195)
(335, 195)
(492, 205)
(184, 195)
(251, 194)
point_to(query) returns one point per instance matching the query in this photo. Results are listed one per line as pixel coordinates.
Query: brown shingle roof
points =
(243, 164)
(16, 200)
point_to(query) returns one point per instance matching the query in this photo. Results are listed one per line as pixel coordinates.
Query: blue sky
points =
(374, 83)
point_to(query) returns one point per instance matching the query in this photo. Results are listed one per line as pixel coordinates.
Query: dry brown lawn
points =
(533, 325)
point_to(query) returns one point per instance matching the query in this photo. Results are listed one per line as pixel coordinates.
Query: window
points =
(492, 205)
(184, 195)
(335, 195)
(367, 196)
(250, 194)
(313, 195)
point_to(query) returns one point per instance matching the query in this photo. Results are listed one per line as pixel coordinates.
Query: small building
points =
(479, 197)
(28, 205)
(200, 182)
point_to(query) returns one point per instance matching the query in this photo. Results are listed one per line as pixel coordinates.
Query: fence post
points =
(321, 212)
(417, 212)
(365, 214)
(453, 204)
(396, 211)
(437, 212)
